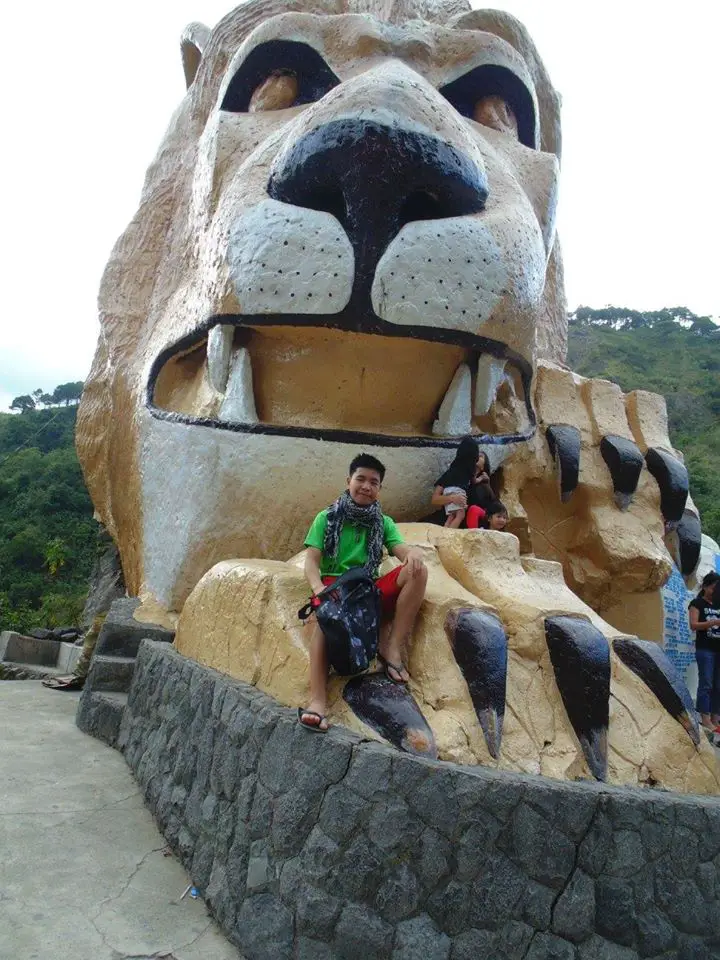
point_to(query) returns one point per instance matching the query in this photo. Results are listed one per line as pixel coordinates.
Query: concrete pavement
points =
(84, 872)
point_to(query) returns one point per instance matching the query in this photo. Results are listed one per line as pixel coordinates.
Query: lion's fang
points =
(490, 375)
(219, 346)
(239, 403)
(454, 415)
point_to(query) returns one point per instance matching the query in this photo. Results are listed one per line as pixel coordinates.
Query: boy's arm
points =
(410, 556)
(313, 556)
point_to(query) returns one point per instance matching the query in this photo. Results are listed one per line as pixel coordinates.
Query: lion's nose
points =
(374, 179)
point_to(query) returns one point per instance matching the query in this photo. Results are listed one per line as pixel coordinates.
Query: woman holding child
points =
(464, 491)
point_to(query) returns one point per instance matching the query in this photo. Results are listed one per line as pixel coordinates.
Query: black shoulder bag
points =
(349, 617)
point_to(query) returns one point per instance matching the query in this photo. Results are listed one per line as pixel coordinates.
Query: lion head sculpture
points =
(347, 240)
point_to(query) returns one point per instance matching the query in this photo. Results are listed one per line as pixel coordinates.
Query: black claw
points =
(689, 542)
(625, 463)
(564, 443)
(650, 662)
(390, 709)
(672, 478)
(580, 657)
(479, 644)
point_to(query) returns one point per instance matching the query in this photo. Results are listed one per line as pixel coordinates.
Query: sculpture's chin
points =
(399, 386)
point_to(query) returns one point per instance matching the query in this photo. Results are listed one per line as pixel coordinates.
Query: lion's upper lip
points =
(310, 376)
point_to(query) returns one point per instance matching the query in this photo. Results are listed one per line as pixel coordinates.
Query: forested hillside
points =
(672, 352)
(48, 539)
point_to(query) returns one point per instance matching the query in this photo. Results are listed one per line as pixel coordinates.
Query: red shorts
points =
(388, 587)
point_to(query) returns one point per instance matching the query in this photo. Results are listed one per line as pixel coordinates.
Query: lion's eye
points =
(276, 75)
(278, 92)
(496, 97)
(495, 112)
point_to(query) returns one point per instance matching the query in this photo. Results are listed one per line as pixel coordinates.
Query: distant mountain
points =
(672, 352)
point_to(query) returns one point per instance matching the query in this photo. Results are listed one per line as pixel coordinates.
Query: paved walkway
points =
(84, 871)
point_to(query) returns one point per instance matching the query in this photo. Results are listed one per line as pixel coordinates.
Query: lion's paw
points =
(601, 490)
(509, 667)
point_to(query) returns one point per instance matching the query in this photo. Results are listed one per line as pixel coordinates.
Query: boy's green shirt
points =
(352, 549)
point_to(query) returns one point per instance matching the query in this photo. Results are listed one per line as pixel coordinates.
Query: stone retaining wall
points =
(315, 847)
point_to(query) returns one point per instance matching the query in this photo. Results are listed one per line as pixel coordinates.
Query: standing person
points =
(352, 533)
(704, 613)
(464, 490)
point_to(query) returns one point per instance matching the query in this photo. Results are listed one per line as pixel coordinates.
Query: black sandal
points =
(398, 668)
(312, 727)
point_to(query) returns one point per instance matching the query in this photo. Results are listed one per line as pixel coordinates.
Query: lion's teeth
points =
(490, 374)
(219, 346)
(454, 415)
(239, 403)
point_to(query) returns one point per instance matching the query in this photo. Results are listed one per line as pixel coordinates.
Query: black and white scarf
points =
(345, 510)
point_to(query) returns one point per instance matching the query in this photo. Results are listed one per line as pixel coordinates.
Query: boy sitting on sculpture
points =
(352, 533)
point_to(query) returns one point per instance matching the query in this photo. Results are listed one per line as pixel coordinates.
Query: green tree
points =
(56, 555)
(23, 403)
(68, 392)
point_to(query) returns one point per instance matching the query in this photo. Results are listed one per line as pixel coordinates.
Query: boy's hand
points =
(482, 478)
(458, 498)
(414, 562)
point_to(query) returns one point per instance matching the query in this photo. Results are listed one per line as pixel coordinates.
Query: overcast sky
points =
(88, 90)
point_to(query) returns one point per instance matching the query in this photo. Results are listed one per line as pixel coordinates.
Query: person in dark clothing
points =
(463, 491)
(704, 612)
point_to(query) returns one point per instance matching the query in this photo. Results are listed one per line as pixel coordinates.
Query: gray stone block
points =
(202, 862)
(220, 897)
(574, 913)
(307, 949)
(449, 906)
(496, 893)
(474, 945)
(394, 828)
(121, 635)
(110, 673)
(655, 934)
(17, 648)
(513, 940)
(545, 946)
(261, 813)
(361, 935)
(625, 854)
(359, 872)
(420, 939)
(615, 910)
(100, 715)
(598, 949)
(265, 928)
(595, 847)
(316, 912)
(538, 905)
(293, 816)
(433, 858)
(539, 850)
(472, 848)
(342, 813)
(261, 872)
(370, 771)
(398, 895)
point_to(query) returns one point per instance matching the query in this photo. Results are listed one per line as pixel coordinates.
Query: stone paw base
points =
(320, 847)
